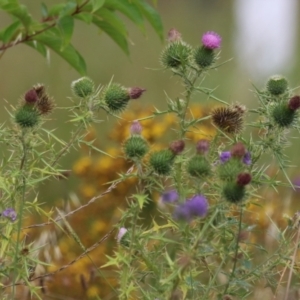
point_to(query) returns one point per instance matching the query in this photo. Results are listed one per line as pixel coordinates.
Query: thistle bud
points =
(277, 85)
(198, 166)
(45, 104)
(136, 128)
(204, 57)
(233, 193)
(135, 92)
(161, 161)
(83, 87)
(229, 170)
(116, 97)
(177, 147)
(123, 238)
(27, 116)
(282, 115)
(31, 96)
(175, 55)
(135, 147)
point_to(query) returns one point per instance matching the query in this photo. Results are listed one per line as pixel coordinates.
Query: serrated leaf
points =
(152, 16)
(10, 31)
(52, 40)
(66, 27)
(142, 199)
(38, 47)
(86, 17)
(128, 9)
(19, 11)
(113, 33)
(96, 4)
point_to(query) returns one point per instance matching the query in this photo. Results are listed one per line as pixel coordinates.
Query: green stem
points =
(236, 252)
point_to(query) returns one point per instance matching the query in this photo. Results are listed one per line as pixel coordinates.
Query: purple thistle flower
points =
(198, 206)
(10, 213)
(202, 146)
(211, 40)
(247, 159)
(225, 156)
(169, 196)
(136, 128)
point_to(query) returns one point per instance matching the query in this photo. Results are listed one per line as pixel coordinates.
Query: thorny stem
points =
(236, 252)
(292, 265)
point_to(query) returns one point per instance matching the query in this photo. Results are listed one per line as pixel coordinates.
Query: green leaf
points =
(10, 31)
(19, 11)
(128, 9)
(113, 33)
(56, 9)
(66, 27)
(52, 40)
(44, 10)
(38, 47)
(112, 19)
(152, 16)
(86, 17)
(68, 9)
(97, 4)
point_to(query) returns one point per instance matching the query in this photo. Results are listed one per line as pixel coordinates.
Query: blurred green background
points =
(22, 67)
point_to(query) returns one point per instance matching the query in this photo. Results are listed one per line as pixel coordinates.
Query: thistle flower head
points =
(224, 156)
(27, 116)
(238, 150)
(202, 146)
(10, 213)
(135, 147)
(243, 179)
(247, 158)
(294, 103)
(45, 104)
(211, 40)
(135, 92)
(162, 161)
(31, 96)
(198, 166)
(174, 35)
(277, 85)
(170, 196)
(136, 128)
(228, 119)
(177, 146)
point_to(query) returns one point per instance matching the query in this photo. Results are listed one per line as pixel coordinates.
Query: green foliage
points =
(56, 28)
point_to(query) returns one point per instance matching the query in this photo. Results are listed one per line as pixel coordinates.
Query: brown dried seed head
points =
(228, 119)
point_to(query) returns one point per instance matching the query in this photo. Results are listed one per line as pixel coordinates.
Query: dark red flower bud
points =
(135, 92)
(243, 179)
(177, 146)
(238, 150)
(202, 146)
(294, 103)
(31, 96)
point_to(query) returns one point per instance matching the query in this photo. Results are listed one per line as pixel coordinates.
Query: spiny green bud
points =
(135, 147)
(229, 170)
(83, 87)
(161, 161)
(27, 116)
(233, 192)
(282, 115)
(198, 166)
(204, 57)
(176, 54)
(277, 85)
(116, 97)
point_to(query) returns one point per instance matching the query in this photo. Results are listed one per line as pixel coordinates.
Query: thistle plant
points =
(193, 247)
(195, 244)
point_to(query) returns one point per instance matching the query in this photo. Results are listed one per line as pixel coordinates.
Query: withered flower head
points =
(45, 103)
(229, 119)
